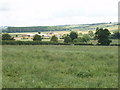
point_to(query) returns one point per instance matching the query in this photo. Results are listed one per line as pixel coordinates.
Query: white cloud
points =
(53, 12)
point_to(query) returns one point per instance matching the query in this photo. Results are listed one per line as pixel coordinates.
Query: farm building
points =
(43, 35)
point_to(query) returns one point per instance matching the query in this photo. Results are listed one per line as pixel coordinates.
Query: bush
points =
(63, 37)
(76, 40)
(91, 34)
(85, 38)
(7, 37)
(10, 42)
(54, 39)
(83, 43)
(37, 38)
(73, 35)
(32, 43)
(67, 39)
(116, 35)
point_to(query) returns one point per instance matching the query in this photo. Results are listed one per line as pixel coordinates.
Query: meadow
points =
(54, 66)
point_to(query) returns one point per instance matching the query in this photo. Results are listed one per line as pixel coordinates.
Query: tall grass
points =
(52, 66)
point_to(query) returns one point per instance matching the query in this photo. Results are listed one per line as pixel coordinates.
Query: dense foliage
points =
(54, 39)
(81, 27)
(7, 37)
(82, 39)
(91, 34)
(35, 29)
(37, 38)
(73, 35)
(102, 35)
(67, 39)
(32, 43)
(115, 35)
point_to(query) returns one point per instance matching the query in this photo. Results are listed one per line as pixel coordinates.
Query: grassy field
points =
(60, 66)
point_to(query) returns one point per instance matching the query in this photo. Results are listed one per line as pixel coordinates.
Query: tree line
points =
(34, 29)
(102, 36)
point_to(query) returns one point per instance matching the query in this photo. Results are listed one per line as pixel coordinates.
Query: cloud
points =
(4, 9)
(5, 6)
(53, 12)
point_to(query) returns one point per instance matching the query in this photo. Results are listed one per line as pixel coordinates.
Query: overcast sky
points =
(57, 12)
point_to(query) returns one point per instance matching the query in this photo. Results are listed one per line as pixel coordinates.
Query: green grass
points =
(60, 66)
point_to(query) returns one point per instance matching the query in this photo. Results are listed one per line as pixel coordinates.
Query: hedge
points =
(6, 42)
(83, 43)
(32, 43)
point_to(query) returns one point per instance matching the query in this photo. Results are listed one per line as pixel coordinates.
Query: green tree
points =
(63, 36)
(102, 35)
(39, 32)
(16, 35)
(116, 35)
(54, 39)
(73, 35)
(97, 28)
(86, 38)
(37, 38)
(7, 37)
(95, 37)
(67, 39)
(91, 34)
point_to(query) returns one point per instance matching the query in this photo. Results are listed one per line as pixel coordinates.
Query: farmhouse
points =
(43, 35)
(30, 35)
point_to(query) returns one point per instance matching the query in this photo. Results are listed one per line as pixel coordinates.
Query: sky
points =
(57, 12)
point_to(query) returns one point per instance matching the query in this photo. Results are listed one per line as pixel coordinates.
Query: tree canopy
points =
(116, 35)
(67, 39)
(37, 38)
(6, 36)
(73, 35)
(102, 35)
(54, 39)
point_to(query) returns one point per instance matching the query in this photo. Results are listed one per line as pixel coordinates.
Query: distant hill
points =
(73, 27)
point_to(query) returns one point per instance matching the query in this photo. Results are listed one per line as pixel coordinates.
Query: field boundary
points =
(49, 43)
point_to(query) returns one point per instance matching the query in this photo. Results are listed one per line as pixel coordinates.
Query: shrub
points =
(32, 43)
(115, 35)
(91, 34)
(54, 39)
(76, 40)
(37, 38)
(73, 35)
(64, 36)
(85, 38)
(7, 37)
(67, 39)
